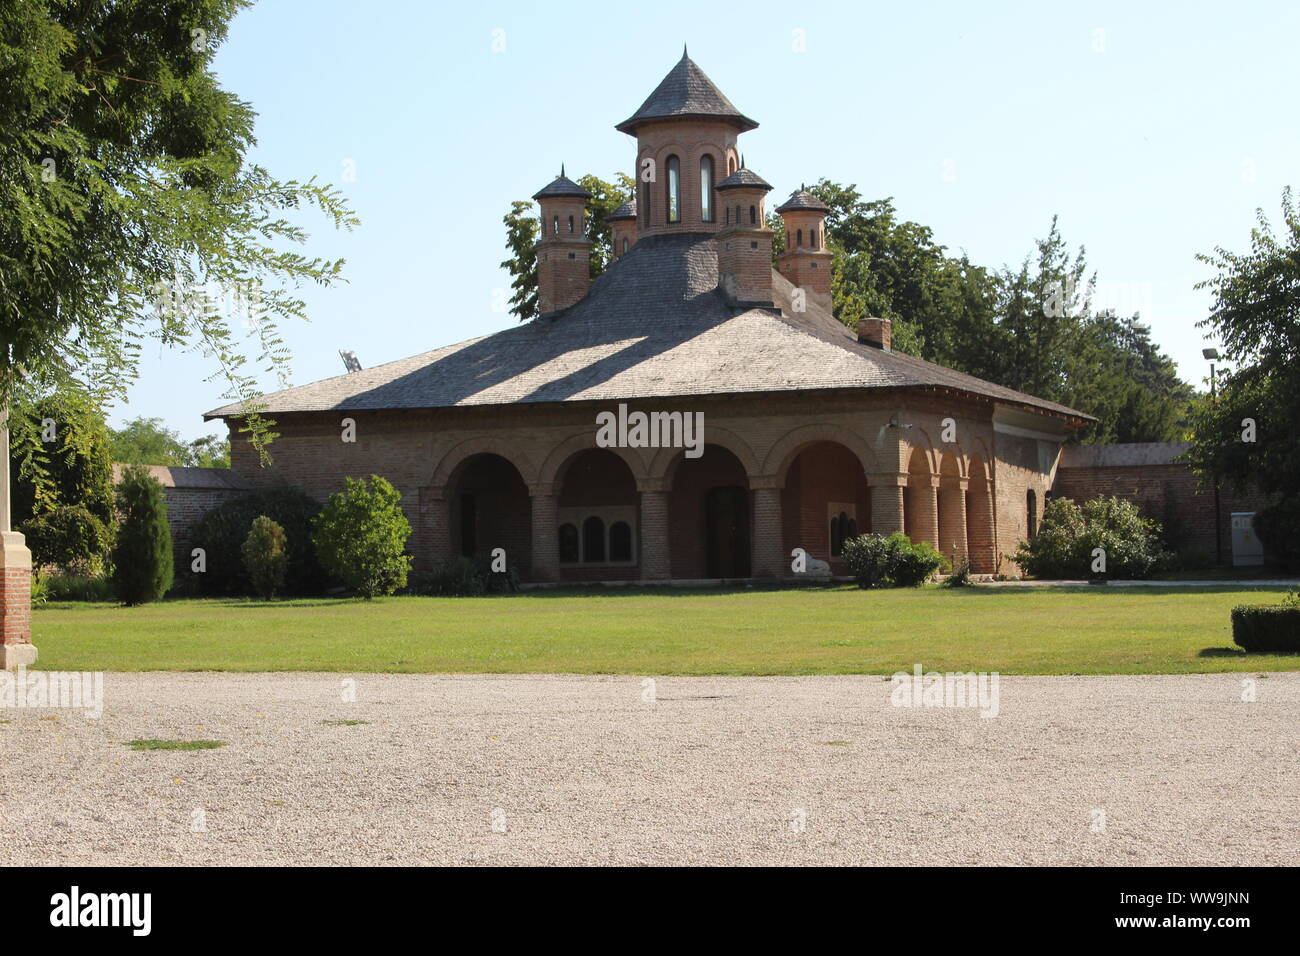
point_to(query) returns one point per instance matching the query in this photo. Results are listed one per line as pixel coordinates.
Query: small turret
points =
(745, 242)
(563, 250)
(622, 227)
(806, 262)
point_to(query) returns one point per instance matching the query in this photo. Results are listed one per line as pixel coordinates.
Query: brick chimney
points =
(745, 242)
(806, 261)
(875, 332)
(563, 250)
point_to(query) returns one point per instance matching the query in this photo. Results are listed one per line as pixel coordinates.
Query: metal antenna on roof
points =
(561, 170)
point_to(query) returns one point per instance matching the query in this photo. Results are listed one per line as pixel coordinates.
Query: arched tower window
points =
(625, 243)
(812, 237)
(753, 215)
(1031, 512)
(674, 185)
(570, 224)
(800, 238)
(706, 188)
(555, 226)
(728, 215)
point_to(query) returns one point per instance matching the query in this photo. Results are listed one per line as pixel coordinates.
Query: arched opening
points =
(673, 184)
(799, 238)
(706, 188)
(490, 509)
(753, 215)
(1031, 513)
(555, 226)
(598, 517)
(952, 507)
(812, 237)
(570, 224)
(825, 502)
(625, 245)
(709, 516)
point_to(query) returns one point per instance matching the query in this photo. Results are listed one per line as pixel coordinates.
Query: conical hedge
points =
(142, 559)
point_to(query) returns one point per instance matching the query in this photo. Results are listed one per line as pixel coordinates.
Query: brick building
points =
(810, 432)
(190, 493)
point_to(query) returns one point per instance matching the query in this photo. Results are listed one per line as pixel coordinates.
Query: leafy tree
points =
(142, 559)
(144, 441)
(72, 468)
(69, 537)
(265, 557)
(127, 206)
(522, 234)
(361, 537)
(1246, 434)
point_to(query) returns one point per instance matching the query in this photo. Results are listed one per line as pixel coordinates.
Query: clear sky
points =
(1154, 130)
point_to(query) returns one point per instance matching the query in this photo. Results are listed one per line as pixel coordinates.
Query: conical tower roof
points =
(686, 93)
(562, 185)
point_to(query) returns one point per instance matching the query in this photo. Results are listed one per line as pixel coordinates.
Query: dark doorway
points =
(468, 526)
(726, 532)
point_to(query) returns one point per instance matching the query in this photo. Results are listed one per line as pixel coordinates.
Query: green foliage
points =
(144, 441)
(67, 586)
(221, 533)
(522, 234)
(960, 576)
(1278, 528)
(40, 588)
(142, 559)
(265, 557)
(360, 537)
(1256, 315)
(1069, 534)
(127, 205)
(1268, 628)
(69, 537)
(893, 561)
(455, 577)
(75, 468)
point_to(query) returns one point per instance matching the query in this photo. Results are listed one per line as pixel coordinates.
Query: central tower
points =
(686, 134)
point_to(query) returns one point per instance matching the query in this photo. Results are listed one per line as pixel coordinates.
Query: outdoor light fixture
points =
(350, 360)
(1211, 354)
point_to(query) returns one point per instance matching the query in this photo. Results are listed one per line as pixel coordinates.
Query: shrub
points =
(1278, 527)
(960, 576)
(69, 537)
(1068, 536)
(222, 531)
(65, 586)
(876, 560)
(360, 537)
(40, 588)
(455, 577)
(265, 558)
(1267, 627)
(142, 559)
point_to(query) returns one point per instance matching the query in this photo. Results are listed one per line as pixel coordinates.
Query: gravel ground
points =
(583, 770)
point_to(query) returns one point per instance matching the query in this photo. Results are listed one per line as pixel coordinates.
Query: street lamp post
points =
(1213, 356)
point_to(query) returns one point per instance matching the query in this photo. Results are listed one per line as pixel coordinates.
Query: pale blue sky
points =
(1154, 130)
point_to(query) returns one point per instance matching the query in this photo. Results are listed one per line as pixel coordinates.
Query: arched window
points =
(737, 215)
(555, 226)
(568, 544)
(570, 224)
(620, 541)
(753, 215)
(593, 540)
(728, 215)
(800, 235)
(1031, 511)
(812, 237)
(706, 188)
(674, 185)
(731, 165)
(625, 243)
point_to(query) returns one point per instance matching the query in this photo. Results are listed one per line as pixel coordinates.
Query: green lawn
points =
(809, 631)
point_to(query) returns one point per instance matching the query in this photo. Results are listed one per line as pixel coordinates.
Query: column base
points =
(14, 656)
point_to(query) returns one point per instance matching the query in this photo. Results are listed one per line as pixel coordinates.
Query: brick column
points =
(923, 508)
(16, 649)
(656, 556)
(767, 555)
(952, 517)
(546, 536)
(434, 528)
(980, 539)
(886, 501)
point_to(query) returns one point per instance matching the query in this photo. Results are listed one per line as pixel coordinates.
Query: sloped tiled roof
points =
(654, 325)
(686, 93)
(744, 177)
(803, 199)
(562, 185)
(626, 211)
(185, 476)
